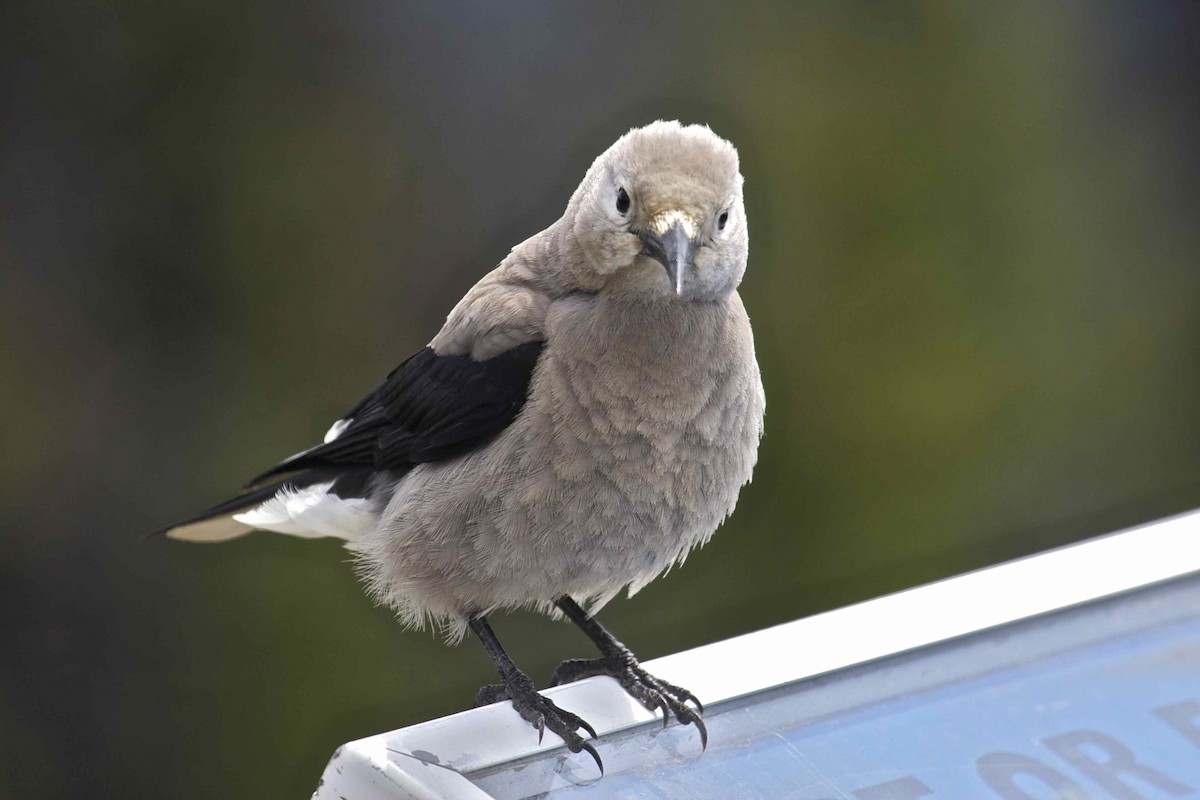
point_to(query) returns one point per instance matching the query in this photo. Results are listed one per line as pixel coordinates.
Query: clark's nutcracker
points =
(586, 416)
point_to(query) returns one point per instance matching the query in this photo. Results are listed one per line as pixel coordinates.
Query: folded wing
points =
(431, 407)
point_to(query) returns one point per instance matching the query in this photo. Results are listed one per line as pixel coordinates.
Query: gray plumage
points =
(641, 417)
(630, 451)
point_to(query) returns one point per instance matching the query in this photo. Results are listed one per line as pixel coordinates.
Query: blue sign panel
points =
(1116, 720)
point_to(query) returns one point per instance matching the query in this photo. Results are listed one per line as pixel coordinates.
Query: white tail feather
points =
(311, 512)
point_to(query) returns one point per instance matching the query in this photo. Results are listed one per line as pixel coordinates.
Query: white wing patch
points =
(338, 428)
(312, 512)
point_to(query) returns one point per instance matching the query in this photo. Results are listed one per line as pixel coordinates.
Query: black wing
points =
(429, 408)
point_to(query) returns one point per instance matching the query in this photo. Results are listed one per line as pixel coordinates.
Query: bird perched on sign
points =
(586, 416)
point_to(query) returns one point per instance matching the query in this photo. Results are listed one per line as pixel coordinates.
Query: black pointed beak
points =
(674, 250)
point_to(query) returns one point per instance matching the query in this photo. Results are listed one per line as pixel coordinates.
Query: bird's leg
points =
(618, 662)
(535, 709)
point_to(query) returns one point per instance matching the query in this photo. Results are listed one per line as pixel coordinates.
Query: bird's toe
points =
(494, 693)
(543, 715)
(654, 693)
(576, 669)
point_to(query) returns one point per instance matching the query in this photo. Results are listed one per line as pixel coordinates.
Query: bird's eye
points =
(622, 200)
(721, 220)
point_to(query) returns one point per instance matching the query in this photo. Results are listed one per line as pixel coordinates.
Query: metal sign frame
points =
(434, 759)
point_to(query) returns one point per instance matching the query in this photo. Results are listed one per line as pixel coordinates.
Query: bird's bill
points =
(674, 249)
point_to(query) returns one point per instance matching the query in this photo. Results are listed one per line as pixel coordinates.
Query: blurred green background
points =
(973, 277)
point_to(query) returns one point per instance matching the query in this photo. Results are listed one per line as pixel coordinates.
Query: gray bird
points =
(586, 416)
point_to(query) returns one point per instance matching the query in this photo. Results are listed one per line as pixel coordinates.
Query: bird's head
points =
(660, 214)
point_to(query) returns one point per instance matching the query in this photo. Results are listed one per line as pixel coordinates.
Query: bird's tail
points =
(311, 504)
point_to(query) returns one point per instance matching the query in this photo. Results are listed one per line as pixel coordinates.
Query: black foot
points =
(653, 693)
(541, 713)
(533, 708)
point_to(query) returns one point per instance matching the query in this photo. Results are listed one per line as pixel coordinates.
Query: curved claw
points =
(583, 723)
(689, 717)
(668, 697)
(591, 751)
(682, 695)
(651, 700)
(541, 727)
(700, 727)
(572, 722)
(688, 697)
(655, 694)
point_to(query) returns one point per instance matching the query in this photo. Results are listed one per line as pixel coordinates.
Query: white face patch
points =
(663, 222)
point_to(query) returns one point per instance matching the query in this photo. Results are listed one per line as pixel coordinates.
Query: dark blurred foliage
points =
(973, 277)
